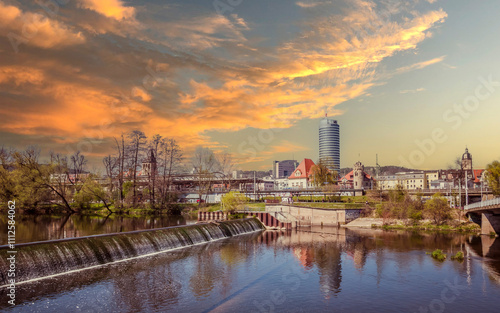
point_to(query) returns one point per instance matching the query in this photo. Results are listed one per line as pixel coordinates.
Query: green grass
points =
(352, 199)
(257, 206)
(469, 228)
(326, 205)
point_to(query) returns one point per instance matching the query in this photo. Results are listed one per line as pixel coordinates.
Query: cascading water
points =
(40, 259)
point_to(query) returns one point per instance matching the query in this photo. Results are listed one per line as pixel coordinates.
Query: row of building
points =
(290, 174)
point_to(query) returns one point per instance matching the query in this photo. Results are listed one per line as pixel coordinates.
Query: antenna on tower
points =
(377, 166)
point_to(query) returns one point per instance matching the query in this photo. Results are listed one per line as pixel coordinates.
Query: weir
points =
(41, 259)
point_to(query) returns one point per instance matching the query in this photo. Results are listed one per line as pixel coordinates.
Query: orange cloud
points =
(20, 75)
(208, 74)
(35, 29)
(141, 94)
(76, 110)
(109, 8)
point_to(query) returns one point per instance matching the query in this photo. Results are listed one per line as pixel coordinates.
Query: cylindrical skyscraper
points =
(329, 143)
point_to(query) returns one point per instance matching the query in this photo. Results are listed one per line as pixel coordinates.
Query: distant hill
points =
(384, 170)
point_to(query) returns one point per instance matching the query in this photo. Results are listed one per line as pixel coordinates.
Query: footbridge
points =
(486, 214)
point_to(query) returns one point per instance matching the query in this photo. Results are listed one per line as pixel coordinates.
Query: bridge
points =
(486, 214)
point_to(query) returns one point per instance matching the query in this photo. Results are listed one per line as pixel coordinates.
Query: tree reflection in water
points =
(31, 228)
(341, 264)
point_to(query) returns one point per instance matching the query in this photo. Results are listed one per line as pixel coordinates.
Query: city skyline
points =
(414, 82)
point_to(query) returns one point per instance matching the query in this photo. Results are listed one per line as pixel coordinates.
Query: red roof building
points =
(300, 176)
(477, 177)
(303, 170)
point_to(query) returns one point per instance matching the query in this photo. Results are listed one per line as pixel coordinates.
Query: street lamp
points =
(481, 188)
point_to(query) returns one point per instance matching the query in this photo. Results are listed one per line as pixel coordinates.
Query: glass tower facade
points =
(329, 143)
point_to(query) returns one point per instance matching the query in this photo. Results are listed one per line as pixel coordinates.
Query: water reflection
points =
(379, 269)
(489, 249)
(31, 228)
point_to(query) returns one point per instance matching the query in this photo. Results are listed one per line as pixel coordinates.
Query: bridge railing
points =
(495, 201)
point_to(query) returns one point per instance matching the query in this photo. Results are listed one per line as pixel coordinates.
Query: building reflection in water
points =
(322, 249)
(228, 271)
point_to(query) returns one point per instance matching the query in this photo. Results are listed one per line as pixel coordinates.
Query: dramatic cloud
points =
(181, 72)
(35, 29)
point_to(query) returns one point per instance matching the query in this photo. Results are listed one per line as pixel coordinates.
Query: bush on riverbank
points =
(412, 210)
(402, 206)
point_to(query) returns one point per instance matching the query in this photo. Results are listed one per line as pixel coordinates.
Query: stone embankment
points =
(365, 222)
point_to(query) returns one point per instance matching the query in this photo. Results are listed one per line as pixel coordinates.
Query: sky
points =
(414, 82)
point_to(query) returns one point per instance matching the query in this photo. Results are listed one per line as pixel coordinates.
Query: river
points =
(310, 270)
(31, 228)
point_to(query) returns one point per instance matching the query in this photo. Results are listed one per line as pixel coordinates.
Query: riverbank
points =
(451, 226)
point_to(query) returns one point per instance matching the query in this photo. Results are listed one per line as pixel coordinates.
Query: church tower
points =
(467, 165)
(149, 165)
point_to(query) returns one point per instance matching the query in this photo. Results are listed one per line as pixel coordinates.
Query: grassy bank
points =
(320, 205)
(463, 227)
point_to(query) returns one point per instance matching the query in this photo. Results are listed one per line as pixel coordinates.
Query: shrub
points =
(439, 255)
(437, 209)
(459, 256)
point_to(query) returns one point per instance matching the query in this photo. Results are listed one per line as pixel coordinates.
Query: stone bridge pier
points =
(490, 223)
(487, 214)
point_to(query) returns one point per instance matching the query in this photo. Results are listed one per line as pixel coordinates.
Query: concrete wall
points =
(309, 216)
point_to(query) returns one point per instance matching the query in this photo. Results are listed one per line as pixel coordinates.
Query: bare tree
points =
(226, 167)
(78, 161)
(154, 147)
(5, 157)
(171, 157)
(135, 148)
(204, 164)
(111, 164)
(120, 148)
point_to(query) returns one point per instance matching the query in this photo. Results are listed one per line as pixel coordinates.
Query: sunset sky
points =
(412, 81)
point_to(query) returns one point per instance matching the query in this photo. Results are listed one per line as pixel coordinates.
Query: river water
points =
(31, 228)
(311, 270)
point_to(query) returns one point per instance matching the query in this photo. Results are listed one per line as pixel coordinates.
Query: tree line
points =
(139, 173)
(64, 182)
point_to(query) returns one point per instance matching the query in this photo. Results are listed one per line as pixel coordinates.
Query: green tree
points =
(37, 184)
(493, 177)
(7, 183)
(321, 175)
(93, 189)
(232, 201)
(437, 209)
